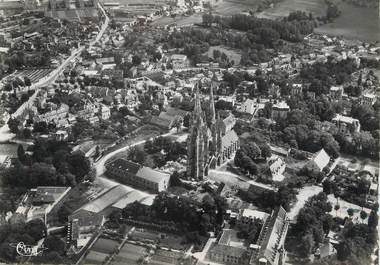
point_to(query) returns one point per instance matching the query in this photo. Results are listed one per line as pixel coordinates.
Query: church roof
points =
(229, 138)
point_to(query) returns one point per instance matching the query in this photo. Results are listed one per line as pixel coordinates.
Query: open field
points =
(282, 9)
(230, 7)
(354, 23)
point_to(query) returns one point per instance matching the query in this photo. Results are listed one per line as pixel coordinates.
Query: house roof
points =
(125, 165)
(321, 159)
(48, 194)
(129, 198)
(344, 119)
(153, 175)
(107, 198)
(248, 213)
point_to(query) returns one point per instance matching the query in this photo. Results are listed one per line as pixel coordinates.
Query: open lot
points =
(354, 23)
(282, 9)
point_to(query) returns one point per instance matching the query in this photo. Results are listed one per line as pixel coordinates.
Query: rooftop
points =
(153, 175)
(125, 165)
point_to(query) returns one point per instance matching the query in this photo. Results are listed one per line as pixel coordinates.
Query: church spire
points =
(212, 103)
(197, 103)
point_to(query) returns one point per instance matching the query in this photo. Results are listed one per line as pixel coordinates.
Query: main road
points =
(5, 134)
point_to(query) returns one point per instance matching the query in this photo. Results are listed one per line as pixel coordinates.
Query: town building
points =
(42, 203)
(228, 250)
(57, 115)
(346, 124)
(249, 106)
(336, 92)
(179, 61)
(138, 176)
(280, 110)
(296, 90)
(368, 99)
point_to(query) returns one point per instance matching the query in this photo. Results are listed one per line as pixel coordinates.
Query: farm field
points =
(282, 9)
(354, 23)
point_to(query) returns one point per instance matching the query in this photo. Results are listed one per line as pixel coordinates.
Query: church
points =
(211, 140)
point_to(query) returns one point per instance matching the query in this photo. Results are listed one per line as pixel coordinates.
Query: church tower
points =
(213, 128)
(196, 148)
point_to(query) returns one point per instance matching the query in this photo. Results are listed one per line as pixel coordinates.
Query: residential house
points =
(346, 124)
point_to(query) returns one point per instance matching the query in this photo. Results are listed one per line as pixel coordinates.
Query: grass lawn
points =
(129, 254)
(106, 246)
(95, 257)
(282, 9)
(354, 23)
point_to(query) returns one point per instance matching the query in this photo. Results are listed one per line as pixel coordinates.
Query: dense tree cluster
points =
(188, 216)
(322, 76)
(250, 154)
(51, 163)
(249, 231)
(270, 199)
(313, 223)
(11, 234)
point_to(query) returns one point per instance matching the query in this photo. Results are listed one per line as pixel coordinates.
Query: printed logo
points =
(28, 250)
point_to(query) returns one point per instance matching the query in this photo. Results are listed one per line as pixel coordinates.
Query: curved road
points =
(100, 164)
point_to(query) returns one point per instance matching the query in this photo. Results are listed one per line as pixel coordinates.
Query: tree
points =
(373, 220)
(20, 153)
(336, 208)
(350, 212)
(363, 215)
(36, 229)
(54, 243)
(137, 154)
(175, 179)
(13, 124)
(136, 60)
(79, 166)
(27, 81)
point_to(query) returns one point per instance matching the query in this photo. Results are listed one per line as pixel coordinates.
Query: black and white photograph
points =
(189, 132)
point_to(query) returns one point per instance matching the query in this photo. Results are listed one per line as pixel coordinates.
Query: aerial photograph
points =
(189, 132)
